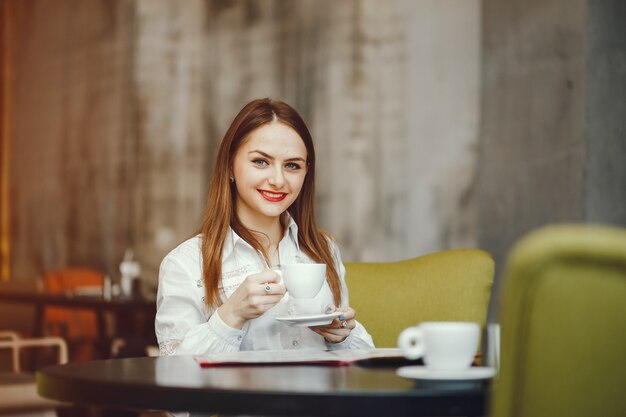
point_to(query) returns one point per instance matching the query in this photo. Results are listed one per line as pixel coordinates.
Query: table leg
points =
(38, 330)
(103, 348)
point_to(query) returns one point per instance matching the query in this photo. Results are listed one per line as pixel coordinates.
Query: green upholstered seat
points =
(451, 285)
(563, 325)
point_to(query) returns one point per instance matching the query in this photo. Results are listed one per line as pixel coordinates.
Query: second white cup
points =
(442, 345)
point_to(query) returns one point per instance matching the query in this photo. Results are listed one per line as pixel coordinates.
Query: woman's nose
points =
(277, 178)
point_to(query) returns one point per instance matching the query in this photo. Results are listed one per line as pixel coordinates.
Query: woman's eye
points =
(292, 165)
(260, 162)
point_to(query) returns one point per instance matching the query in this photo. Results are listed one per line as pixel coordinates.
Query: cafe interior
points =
(471, 164)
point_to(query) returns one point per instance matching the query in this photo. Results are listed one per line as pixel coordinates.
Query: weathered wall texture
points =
(606, 112)
(173, 148)
(71, 108)
(118, 107)
(532, 152)
(553, 143)
(394, 172)
(121, 106)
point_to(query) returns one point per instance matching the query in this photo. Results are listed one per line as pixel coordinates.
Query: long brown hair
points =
(220, 210)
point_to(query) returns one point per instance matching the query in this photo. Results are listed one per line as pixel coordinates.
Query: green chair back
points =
(563, 325)
(451, 285)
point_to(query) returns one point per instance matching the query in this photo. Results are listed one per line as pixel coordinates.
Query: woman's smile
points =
(272, 196)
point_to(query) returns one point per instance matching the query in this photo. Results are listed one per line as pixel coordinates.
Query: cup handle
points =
(280, 274)
(411, 341)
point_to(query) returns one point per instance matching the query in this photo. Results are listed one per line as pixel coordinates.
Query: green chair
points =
(451, 285)
(563, 324)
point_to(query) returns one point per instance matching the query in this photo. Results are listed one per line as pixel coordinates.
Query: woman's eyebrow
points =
(272, 158)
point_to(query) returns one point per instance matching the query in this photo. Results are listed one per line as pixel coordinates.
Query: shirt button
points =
(295, 343)
(239, 337)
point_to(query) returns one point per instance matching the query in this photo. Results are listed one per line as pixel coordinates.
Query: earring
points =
(232, 179)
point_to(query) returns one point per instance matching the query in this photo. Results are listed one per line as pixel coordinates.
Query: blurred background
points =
(438, 123)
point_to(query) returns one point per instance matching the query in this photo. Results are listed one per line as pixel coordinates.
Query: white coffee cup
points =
(443, 345)
(303, 283)
(303, 280)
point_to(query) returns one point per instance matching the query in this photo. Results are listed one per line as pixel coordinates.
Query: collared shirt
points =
(186, 325)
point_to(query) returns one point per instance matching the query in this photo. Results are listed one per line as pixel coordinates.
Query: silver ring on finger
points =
(268, 288)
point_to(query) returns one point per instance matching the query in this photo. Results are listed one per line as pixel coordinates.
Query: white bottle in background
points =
(106, 288)
(130, 270)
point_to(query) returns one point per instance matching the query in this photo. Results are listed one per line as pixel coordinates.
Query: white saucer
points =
(422, 372)
(307, 321)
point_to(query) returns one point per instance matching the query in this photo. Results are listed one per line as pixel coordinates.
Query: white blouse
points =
(185, 325)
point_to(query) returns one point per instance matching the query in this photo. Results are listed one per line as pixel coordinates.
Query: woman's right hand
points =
(254, 296)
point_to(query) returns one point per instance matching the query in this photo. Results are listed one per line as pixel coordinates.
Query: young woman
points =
(217, 291)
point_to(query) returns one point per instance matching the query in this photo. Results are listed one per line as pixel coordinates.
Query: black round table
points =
(178, 383)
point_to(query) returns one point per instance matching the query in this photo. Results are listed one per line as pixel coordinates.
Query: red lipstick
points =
(272, 196)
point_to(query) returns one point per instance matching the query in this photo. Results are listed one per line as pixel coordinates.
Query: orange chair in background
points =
(78, 327)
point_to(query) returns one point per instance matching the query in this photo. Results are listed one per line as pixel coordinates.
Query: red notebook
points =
(295, 357)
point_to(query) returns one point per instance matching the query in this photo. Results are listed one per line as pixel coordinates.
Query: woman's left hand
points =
(339, 329)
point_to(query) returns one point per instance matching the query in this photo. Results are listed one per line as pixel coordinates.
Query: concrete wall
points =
(430, 133)
(532, 148)
(553, 142)
(71, 112)
(120, 107)
(173, 147)
(606, 112)
(395, 170)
